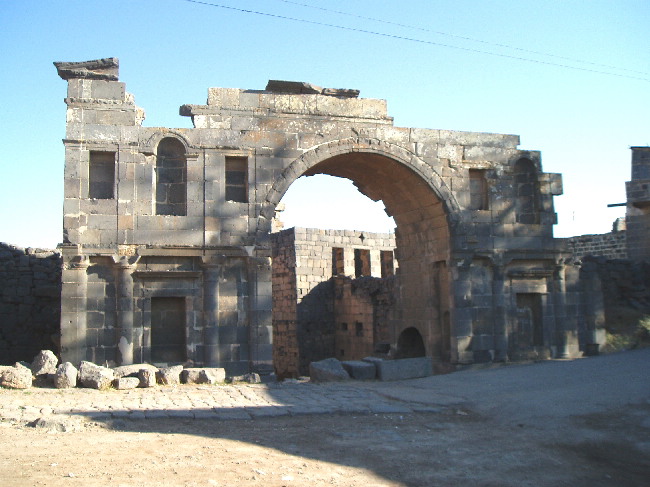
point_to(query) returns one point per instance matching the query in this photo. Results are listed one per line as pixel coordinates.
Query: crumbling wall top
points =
(104, 69)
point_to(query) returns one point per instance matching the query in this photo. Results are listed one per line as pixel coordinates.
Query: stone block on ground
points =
(65, 376)
(360, 370)
(95, 376)
(124, 383)
(44, 363)
(147, 377)
(16, 377)
(213, 375)
(401, 369)
(252, 378)
(132, 370)
(169, 375)
(327, 370)
(191, 375)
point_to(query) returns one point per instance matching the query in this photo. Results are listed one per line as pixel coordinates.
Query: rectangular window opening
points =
(237, 179)
(101, 175)
(338, 265)
(387, 263)
(478, 189)
(361, 262)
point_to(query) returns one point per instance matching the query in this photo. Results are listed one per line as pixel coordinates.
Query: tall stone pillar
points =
(461, 332)
(500, 318)
(127, 337)
(559, 298)
(212, 266)
(74, 280)
(261, 316)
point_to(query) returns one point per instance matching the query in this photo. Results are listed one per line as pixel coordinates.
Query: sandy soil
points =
(453, 447)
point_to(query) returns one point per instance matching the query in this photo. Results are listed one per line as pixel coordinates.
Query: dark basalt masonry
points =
(168, 256)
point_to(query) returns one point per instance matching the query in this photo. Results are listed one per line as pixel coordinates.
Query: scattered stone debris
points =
(95, 376)
(65, 376)
(251, 378)
(45, 362)
(16, 377)
(169, 376)
(327, 370)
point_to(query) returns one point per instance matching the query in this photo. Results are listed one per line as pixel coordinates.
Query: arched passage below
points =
(420, 294)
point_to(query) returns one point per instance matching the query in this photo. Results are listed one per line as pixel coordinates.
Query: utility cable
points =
(412, 39)
(465, 38)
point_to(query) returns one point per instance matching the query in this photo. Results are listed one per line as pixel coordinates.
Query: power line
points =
(465, 38)
(412, 39)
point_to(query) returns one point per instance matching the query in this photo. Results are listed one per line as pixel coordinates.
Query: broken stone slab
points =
(125, 383)
(132, 370)
(360, 370)
(106, 69)
(94, 376)
(197, 375)
(252, 378)
(191, 375)
(401, 369)
(169, 375)
(213, 375)
(65, 376)
(16, 377)
(293, 87)
(44, 362)
(327, 370)
(147, 377)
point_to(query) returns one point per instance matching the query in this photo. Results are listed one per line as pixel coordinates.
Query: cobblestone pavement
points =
(225, 402)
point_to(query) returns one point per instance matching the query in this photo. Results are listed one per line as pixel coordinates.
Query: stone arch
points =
(150, 145)
(425, 212)
(303, 164)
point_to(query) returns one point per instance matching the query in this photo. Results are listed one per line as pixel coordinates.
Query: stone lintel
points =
(106, 69)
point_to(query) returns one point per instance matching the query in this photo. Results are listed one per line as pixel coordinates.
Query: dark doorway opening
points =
(168, 330)
(410, 344)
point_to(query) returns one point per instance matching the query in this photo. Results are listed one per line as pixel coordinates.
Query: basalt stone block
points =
(94, 376)
(65, 376)
(191, 376)
(360, 370)
(169, 375)
(401, 369)
(124, 383)
(16, 377)
(147, 377)
(132, 370)
(327, 370)
(45, 362)
(213, 375)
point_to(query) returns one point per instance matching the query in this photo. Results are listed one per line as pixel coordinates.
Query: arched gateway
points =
(173, 256)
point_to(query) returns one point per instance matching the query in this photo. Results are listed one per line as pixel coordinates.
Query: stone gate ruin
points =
(167, 249)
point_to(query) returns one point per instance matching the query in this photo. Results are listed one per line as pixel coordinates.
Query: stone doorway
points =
(168, 330)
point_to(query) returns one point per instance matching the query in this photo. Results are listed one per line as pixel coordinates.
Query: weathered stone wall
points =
(611, 245)
(304, 316)
(30, 303)
(467, 206)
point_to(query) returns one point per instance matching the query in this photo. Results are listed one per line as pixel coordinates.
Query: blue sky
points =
(171, 51)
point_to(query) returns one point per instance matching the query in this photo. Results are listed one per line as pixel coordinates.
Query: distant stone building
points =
(638, 206)
(167, 253)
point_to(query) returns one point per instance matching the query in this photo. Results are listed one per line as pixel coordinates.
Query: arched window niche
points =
(171, 178)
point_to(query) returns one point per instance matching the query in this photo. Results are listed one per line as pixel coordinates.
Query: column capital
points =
(126, 262)
(78, 263)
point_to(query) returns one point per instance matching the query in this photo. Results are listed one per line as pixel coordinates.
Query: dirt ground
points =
(452, 447)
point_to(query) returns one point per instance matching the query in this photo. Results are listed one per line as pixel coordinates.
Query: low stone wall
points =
(611, 245)
(30, 302)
